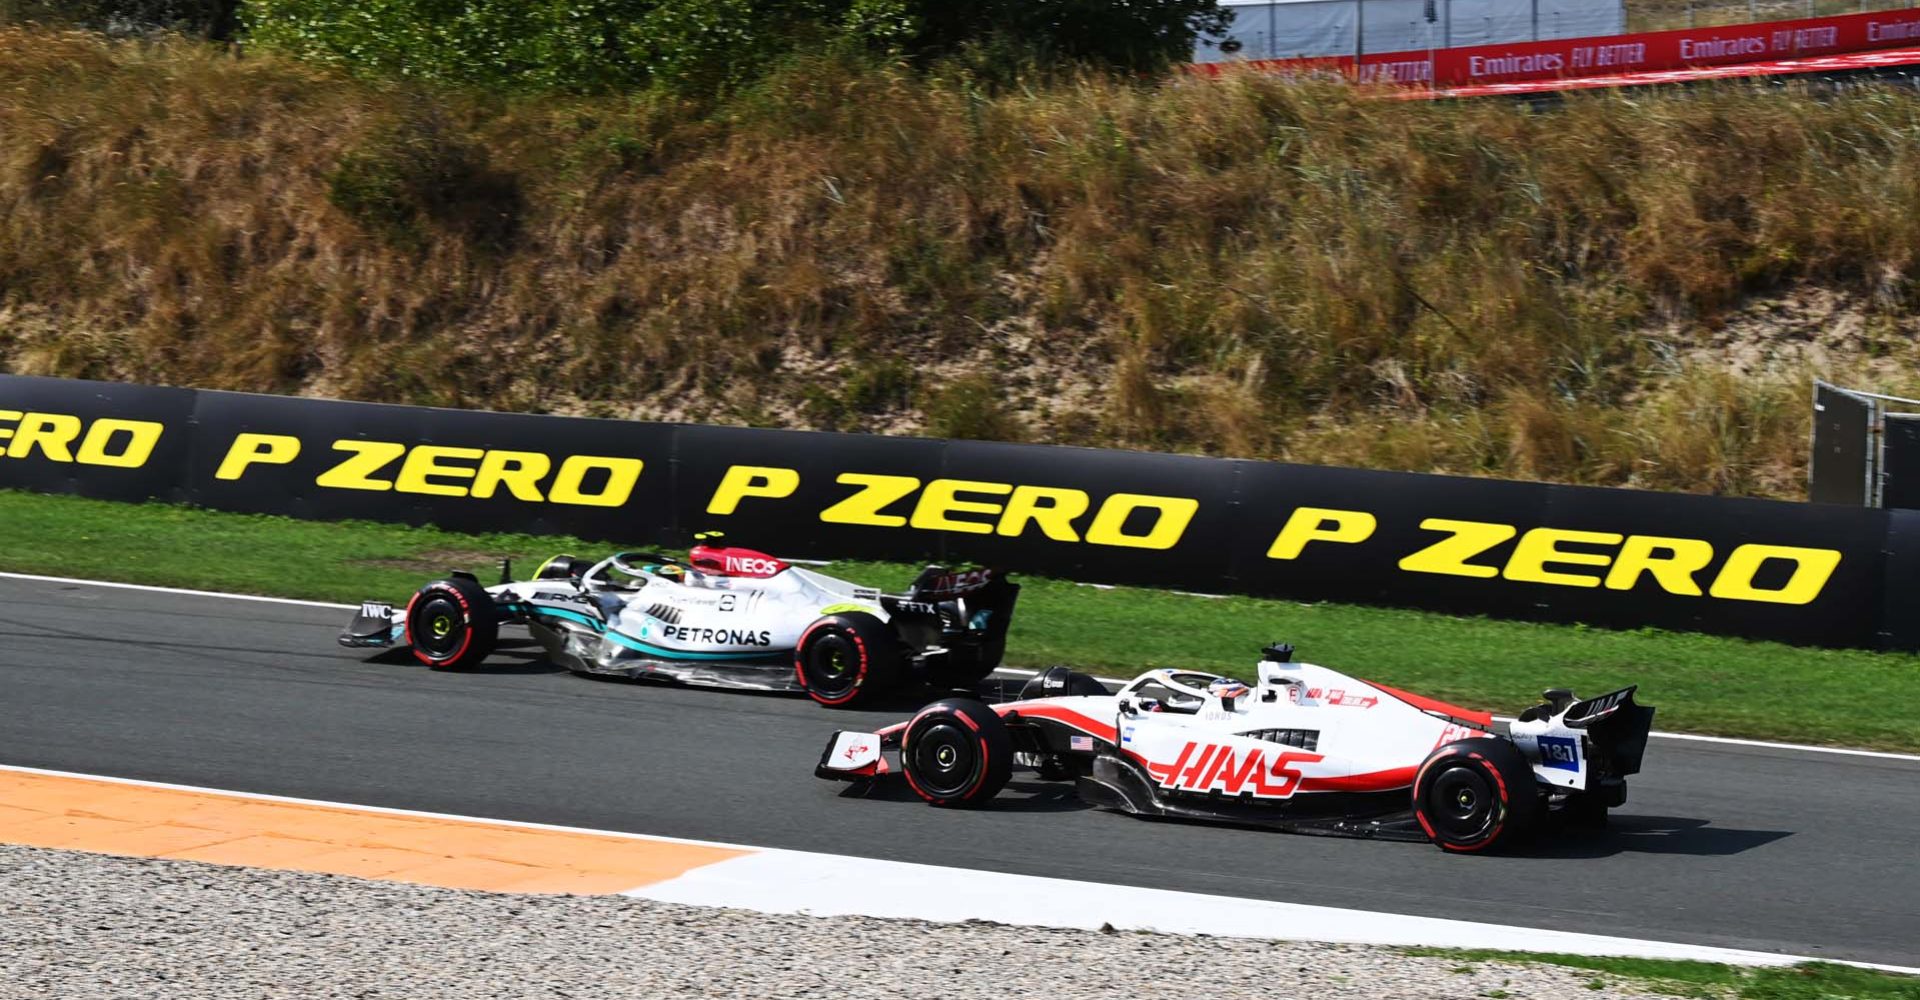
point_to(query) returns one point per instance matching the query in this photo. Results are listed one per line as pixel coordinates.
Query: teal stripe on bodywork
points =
(677, 654)
(630, 642)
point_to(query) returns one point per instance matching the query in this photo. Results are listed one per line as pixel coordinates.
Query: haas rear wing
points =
(961, 613)
(1616, 726)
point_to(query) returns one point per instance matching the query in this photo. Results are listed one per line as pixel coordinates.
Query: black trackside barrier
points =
(1804, 573)
(1900, 451)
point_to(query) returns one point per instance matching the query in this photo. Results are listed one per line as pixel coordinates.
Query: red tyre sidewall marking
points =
(800, 657)
(1486, 767)
(466, 619)
(859, 678)
(466, 627)
(411, 648)
(985, 755)
(906, 749)
(1419, 803)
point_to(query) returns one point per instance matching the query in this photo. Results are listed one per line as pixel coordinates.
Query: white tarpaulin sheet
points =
(1293, 29)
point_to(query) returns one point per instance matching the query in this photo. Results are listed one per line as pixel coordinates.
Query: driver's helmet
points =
(1227, 689)
(670, 571)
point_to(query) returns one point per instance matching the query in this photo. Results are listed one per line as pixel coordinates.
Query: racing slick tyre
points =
(957, 752)
(846, 659)
(451, 624)
(1471, 795)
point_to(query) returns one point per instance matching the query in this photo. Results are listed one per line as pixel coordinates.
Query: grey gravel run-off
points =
(87, 925)
(1731, 846)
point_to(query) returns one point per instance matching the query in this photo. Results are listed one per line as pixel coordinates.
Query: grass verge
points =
(1807, 981)
(1630, 289)
(1702, 684)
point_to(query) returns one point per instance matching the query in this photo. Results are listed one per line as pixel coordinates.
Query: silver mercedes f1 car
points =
(725, 617)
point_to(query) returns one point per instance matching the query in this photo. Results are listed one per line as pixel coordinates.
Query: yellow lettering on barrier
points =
(141, 436)
(7, 416)
(622, 473)
(1320, 524)
(742, 481)
(875, 493)
(1540, 546)
(1672, 571)
(356, 472)
(518, 471)
(1811, 570)
(423, 463)
(52, 432)
(1054, 516)
(1175, 513)
(941, 498)
(250, 449)
(1465, 539)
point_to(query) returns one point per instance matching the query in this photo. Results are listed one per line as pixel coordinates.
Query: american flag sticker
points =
(1080, 743)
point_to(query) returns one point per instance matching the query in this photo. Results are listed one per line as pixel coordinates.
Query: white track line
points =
(1009, 671)
(173, 590)
(773, 880)
(779, 881)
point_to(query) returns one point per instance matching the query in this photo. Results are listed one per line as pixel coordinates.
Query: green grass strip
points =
(1807, 981)
(1701, 684)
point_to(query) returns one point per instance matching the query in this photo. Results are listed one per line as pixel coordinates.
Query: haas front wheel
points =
(1471, 795)
(845, 659)
(957, 752)
(451, 624)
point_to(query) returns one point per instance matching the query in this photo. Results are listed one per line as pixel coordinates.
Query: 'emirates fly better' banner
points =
(1614, 54)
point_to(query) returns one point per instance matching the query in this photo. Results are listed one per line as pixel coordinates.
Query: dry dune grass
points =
(1248, 266)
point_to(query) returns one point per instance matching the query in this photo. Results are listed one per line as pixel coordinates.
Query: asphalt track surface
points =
(1740, 847)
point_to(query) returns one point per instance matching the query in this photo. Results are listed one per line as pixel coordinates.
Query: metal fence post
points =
(1359, 34)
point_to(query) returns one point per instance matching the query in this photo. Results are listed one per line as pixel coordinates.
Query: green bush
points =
(418, 177)
(704, 46)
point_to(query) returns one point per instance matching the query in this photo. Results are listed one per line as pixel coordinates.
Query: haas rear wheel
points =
(957, 752)
(451, 624)
(1471, 795)
(846, 659)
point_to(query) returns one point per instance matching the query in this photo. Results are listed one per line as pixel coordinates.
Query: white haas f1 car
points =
(1305, 749)
(728, 617)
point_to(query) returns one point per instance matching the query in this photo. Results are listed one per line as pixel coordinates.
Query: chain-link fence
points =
(1866, 448)
(1667, 15)
(1317, 29)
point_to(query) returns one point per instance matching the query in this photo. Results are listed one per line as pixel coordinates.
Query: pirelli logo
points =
(64, 438)
(1570, 557)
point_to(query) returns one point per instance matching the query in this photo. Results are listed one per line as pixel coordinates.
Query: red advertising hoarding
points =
(1617, 54)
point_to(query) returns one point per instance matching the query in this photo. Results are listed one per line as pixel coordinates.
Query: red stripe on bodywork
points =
(1064, 716)
(1375, 781)
(1464, 716)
